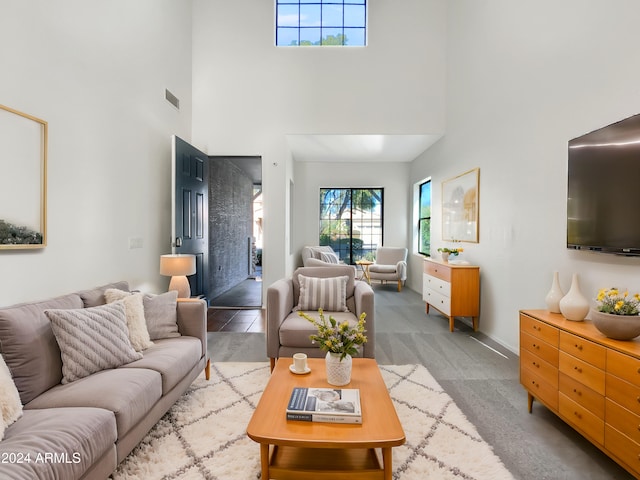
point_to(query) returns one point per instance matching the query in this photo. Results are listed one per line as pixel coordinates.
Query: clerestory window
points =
(321, 23)
(424, 221)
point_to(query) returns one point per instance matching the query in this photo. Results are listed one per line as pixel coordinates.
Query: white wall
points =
(97, 72)
(522, 79)
(314, 175)
(248, 95)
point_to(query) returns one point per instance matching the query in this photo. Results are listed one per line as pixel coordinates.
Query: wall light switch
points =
(135, 242)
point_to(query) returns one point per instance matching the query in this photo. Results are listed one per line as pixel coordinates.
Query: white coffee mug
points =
(300, 362)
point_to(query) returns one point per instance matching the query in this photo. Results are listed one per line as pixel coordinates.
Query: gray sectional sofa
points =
(82, 429)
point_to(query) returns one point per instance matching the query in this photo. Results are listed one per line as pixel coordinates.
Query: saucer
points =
(293, 370)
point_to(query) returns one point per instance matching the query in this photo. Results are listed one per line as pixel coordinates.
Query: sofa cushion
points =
(10, 405)
(161, 316)
(129, 393)
(92, 339)
(383, 268)
(329, 294)
(172, 358)
(134, 309)
(95, 296)
(29, 347)
(295, 330)
(73, 438)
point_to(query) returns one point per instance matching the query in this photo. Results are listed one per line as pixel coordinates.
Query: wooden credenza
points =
(451, 289)
(590, 381)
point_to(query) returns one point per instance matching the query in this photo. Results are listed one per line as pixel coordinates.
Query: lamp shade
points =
(177, 265)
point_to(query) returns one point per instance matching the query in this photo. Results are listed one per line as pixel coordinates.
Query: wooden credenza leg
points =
(451, 323)
(529, 402)
(475, 323)
(427, 309)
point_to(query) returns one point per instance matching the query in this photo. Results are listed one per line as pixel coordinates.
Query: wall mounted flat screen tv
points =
(603, 196)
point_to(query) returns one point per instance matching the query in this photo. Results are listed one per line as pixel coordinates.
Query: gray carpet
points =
(483, 382)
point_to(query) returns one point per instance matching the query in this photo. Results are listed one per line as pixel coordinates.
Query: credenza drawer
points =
(623, 447)
(623, 393)
(540, 348)
(583, 349)
(579, 393)
(437, 270)
(438, 301)
(540, 389)
(623, 366)
(539, 329)
(437, 285)
(581, 418)
(583, 372)
(539, 367)
(623, 420)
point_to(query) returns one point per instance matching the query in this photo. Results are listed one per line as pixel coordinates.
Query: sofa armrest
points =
(279, 305)
(401, 268)
(364, 300)
(192, 320)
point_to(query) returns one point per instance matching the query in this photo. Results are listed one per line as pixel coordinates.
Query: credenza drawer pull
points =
(579, 347)
(577, 392)
(577, 415)
(579, 370)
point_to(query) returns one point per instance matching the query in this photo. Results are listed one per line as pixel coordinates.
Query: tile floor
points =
(232, 320)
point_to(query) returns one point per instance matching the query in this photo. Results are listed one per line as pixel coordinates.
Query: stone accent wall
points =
(230, 225)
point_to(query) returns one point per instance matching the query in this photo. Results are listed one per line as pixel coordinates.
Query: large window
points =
(351, 221)
(321, 22)
(424, 222)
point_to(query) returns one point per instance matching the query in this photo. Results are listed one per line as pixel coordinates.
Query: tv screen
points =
(603, 196)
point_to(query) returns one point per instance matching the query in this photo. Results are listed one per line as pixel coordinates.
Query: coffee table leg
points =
(264, 460)
(386, 460)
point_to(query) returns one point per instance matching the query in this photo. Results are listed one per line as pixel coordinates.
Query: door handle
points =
(178, 241)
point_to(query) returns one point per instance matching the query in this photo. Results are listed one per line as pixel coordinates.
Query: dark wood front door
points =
(190, 178)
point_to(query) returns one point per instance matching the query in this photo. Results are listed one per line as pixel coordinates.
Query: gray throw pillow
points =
(92, 339)
(330, 293)
(161, 315)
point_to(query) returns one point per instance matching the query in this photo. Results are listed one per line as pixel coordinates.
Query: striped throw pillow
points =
(330, 294)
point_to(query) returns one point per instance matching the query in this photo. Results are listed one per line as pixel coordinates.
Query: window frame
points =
(350, 252)
(425, 218)
(321, 4)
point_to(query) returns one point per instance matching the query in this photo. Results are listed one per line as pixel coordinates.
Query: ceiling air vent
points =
(172, 99)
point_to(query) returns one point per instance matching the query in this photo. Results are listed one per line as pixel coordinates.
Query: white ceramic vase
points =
(555, 295)
(338, 371)
(574, 306)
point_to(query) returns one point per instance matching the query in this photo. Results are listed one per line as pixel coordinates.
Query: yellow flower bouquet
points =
(334, 337)
(612, 301)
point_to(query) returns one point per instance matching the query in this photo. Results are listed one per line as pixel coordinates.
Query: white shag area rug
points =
(203, 435)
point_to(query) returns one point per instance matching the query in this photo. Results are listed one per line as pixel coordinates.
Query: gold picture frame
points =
(23, 181)
(460, 207)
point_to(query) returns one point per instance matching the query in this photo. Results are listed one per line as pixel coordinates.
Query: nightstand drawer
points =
(539, 367)
(576, 391)
(539, 329)
(437, 285)
(540, 348)
(438, 301)
(539, 388)
(583, 372)
(623, 420)
(583, 349)
(581, 418)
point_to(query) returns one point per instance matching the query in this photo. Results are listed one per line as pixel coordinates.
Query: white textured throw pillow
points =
(10, 404)
(136, 323)
(92, 339)
(330, 294)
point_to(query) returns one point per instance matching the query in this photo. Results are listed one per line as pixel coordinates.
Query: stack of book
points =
(325, 405)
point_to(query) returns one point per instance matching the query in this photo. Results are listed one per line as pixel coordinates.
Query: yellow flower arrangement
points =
(337, 337)
(611, 300)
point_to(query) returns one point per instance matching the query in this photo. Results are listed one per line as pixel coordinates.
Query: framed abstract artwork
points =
(23, 180)
(460, 206)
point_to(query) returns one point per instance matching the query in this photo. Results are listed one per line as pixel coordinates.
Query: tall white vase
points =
(555, 295)
(574, 306)
(338, 371)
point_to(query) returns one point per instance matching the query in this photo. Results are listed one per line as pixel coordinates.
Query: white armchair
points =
(319, 256)
(390, 264)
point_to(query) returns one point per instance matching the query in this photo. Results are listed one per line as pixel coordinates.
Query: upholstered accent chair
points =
(288, 333)
(319, 256)
(390, 265)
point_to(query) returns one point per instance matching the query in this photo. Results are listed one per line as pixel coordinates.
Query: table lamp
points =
(178, 266)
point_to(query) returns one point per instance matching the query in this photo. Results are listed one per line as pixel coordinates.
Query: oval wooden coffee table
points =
(297, 450)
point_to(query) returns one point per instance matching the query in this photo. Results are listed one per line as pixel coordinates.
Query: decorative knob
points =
(579, 370)
(579, 347)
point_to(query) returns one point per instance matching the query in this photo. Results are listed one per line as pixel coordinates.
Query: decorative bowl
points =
(618, 327)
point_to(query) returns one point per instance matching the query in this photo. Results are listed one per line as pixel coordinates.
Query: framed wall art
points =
(460, 206)
(23, 180)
